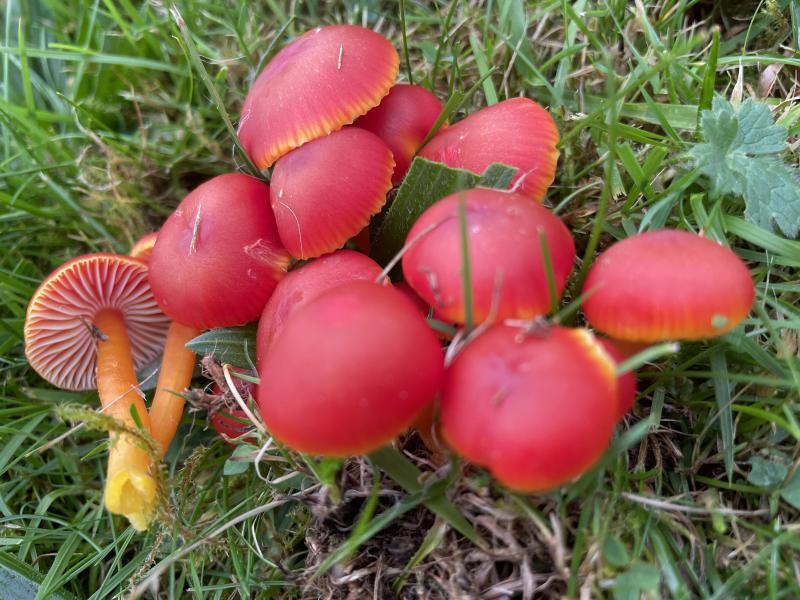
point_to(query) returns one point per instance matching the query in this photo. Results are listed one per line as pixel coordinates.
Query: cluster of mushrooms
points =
(347, 361)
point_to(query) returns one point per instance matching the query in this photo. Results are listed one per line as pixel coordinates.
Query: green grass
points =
(111, 111)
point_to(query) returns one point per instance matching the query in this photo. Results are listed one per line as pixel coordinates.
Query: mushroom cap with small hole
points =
(537, 408)
(60, 338)
(318, 83)
(667, 285)
(325, 192)
(516, 132)
(376, 366)
(402, 120)
(143, 248)
(302, 285)
(506, 261)
(218, 257)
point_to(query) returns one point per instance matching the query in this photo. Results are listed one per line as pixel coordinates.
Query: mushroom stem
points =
(173, 379)
(130, 489)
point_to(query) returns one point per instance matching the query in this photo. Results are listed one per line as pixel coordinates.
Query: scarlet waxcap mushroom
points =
(517, 132)
(89, 325)
(667, 285)
(325, 192)
(218, 256)
(536, 408)
(402, 120)
(318, 83)
(217, 260)
(506, 262)
(302, 285)
(143, 248)
(626, 383)
(350, 371)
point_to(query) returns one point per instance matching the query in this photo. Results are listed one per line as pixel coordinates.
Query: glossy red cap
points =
(303, 285)
(60, 339)
(218, 257)
(536, 409)
(318, 83)
(402, 120)
(325, 192)
(626, 383)
(505, 250)
(516, 132)
(376, 367)
(667, 285)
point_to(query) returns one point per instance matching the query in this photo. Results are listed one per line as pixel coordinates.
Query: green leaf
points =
(229, 345)
(426, 183)
(641, 577)
(791, 491)
(765, 473)
(19, 581)
(614, 552)
(235, 465)
(739, 156)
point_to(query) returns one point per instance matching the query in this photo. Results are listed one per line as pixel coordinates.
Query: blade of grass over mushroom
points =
(548, 270)
(407, 476)
(466, 271)
(230, 345)
(647, 355)
(425, 184)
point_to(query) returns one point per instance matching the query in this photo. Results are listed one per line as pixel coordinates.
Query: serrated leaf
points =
(426, 183)
(228, 345)
(739, 157)
(765, 473)
(497, 175)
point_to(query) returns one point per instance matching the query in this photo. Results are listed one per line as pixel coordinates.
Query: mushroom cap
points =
(325, 192)
(318, 83)
(143, 248)
(666, 285)
(505, 255)
(402, 120)
(218, 257)
(60, 339)
(302, 285)
(626, 383)
(516, 132)
(536, 408)
(376, 367)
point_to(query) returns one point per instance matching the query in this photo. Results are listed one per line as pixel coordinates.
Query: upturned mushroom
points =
(90, 324)
(325, 192)
(377, 367)
(517, 132)
(667, 285)
(508, 267)
(318, 83)
(217, 260)
(143, 247)
(402, 120)
(536, 407)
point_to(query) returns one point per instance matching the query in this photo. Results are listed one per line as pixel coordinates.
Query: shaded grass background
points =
(105, 124)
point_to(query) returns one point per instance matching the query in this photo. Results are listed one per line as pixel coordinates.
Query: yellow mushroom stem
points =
(174, 377)
(130, 489)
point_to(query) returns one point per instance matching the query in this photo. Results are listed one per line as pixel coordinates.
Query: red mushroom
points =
(325, 192)
(303, 285)
(402, 120)
(377, 366)
(89, 325)
(626, 383)
(667, 285)
(506, 262)
(215, 264)
(318, 83)
(143, 248)
(516, 132)
(537, 408)
(231, 422)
